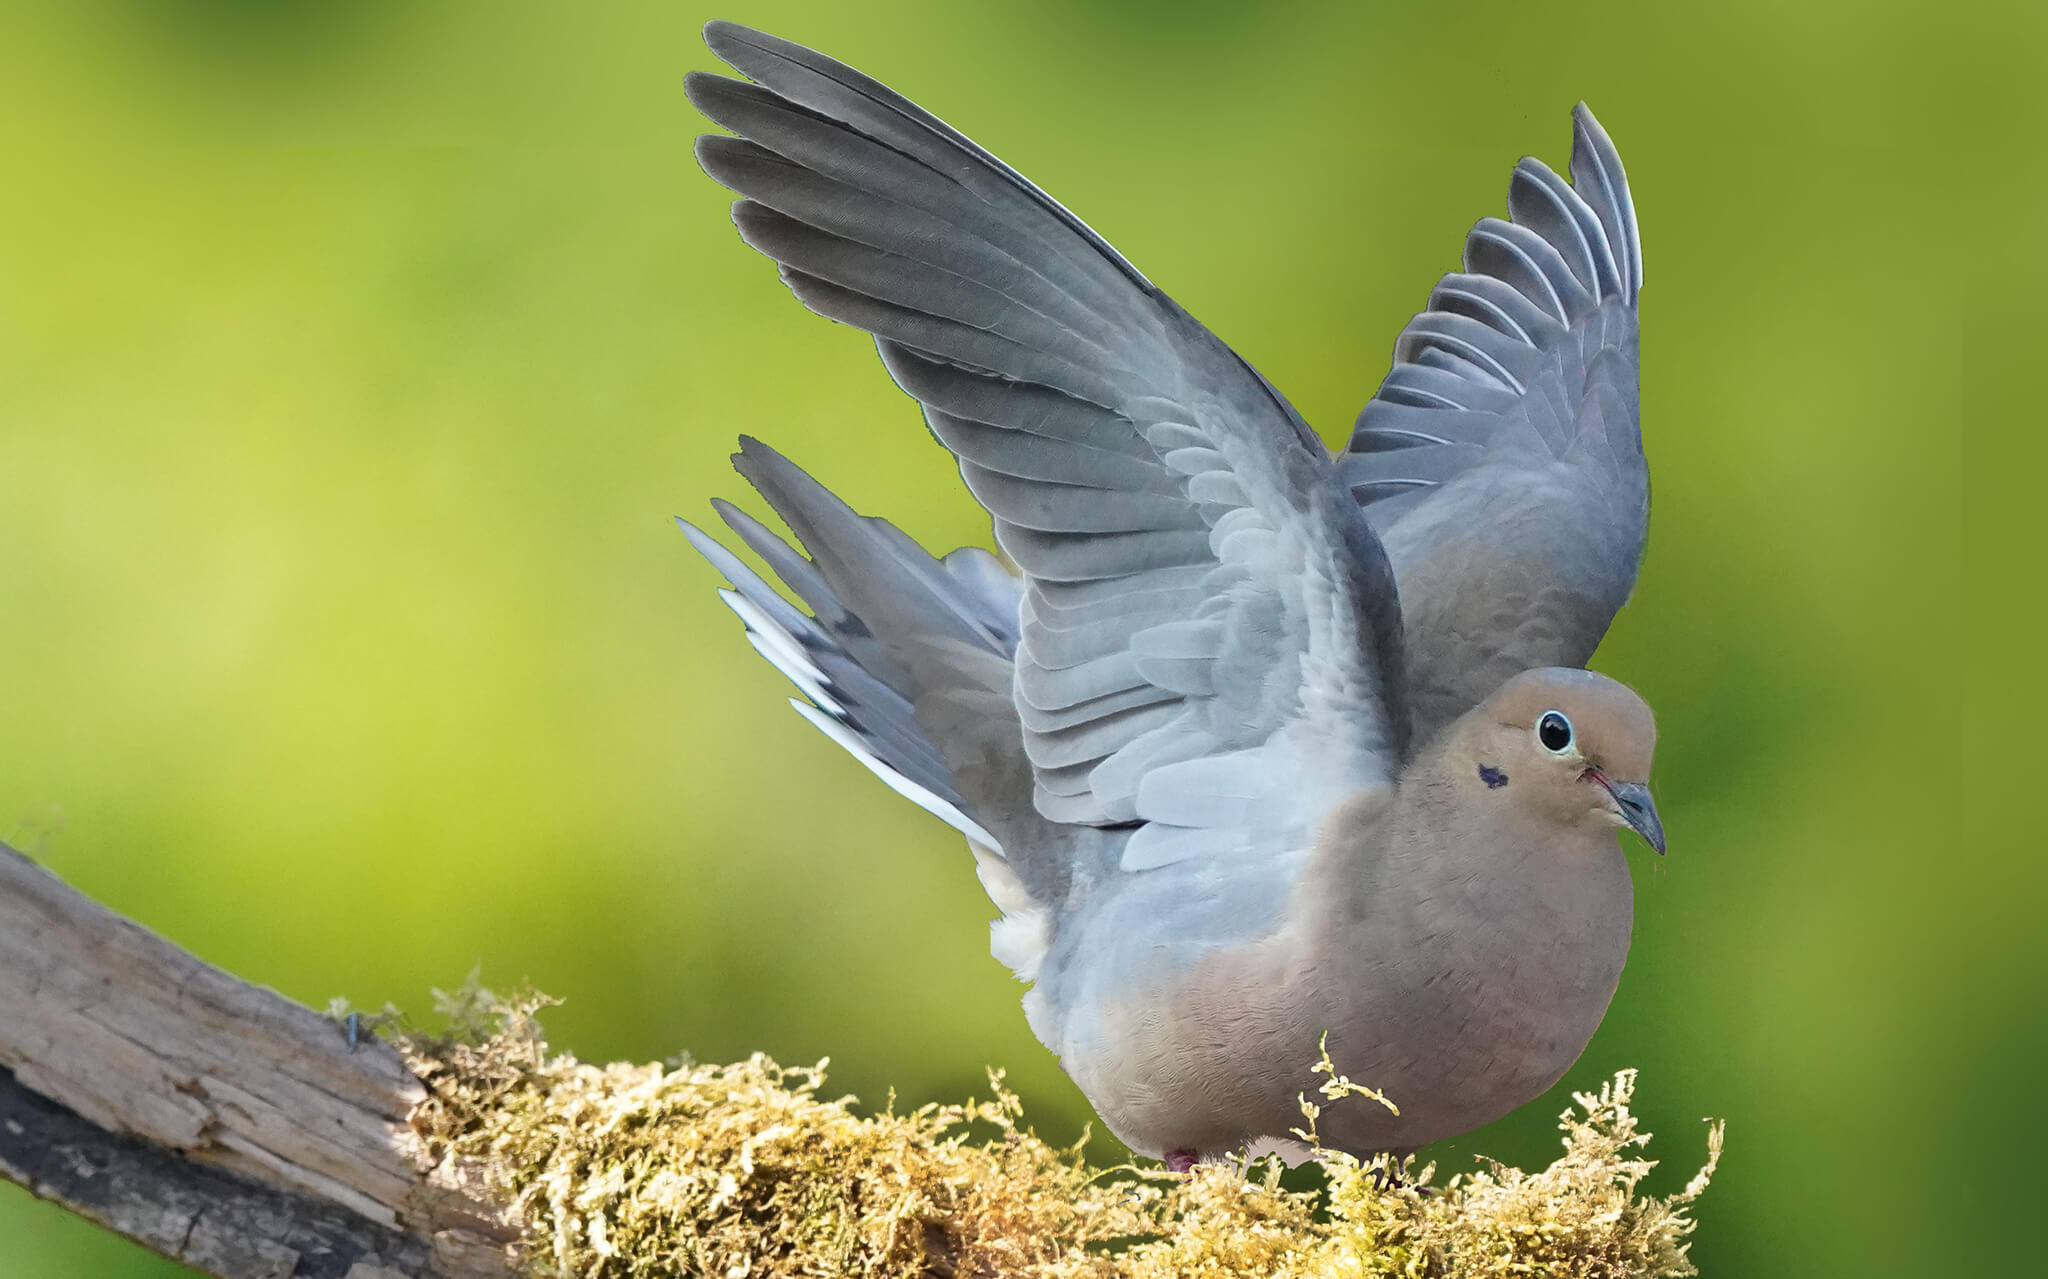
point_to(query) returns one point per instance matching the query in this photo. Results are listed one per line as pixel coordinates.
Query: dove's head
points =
(1575, 743)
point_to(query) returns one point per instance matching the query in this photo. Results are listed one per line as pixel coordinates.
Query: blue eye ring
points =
(1554, 732)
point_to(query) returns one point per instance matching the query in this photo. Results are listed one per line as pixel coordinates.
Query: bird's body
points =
(1200, 1026)
(1258, 744)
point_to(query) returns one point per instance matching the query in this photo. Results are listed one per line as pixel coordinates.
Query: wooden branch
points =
(213, 1121)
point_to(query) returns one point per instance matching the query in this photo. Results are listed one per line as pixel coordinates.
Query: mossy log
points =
(244, 1135)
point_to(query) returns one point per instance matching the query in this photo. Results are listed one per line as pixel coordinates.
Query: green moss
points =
(742, 1170)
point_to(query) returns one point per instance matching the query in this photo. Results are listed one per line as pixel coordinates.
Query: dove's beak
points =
(1639, 811)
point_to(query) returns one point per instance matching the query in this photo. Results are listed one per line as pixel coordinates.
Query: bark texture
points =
(211, 1120)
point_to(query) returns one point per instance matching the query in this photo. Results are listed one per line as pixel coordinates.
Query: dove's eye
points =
(1555, 732)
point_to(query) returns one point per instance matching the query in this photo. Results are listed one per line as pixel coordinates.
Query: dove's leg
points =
(1181, 1160)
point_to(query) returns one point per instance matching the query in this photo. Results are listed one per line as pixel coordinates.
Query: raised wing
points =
(1209, 634)
(1501, 461)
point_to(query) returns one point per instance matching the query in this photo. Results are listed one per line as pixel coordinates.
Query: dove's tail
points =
(892, 634)
(906, 661)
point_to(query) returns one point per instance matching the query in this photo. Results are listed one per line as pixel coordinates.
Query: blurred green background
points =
(354, 358)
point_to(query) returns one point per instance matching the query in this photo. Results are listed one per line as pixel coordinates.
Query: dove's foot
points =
(1387, 1176)
(1180, 1160)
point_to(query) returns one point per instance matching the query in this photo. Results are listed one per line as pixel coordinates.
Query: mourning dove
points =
(1257, 744)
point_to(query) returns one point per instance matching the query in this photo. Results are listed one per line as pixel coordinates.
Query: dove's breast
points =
(1458, 995)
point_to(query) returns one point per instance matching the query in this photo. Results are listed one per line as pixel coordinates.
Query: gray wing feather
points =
(1138, 472)
(831, 657)
(1501, 460)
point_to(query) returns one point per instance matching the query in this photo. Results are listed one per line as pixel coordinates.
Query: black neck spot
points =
(1493, 777)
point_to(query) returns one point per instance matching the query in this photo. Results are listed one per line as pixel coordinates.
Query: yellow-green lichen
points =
(743, 1171)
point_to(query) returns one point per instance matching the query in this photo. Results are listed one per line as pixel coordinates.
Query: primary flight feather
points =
(1255, 743)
